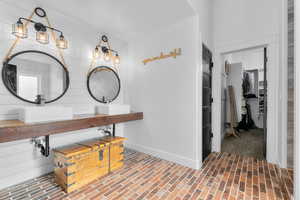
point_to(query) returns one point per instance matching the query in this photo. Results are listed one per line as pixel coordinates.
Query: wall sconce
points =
(20, 30)
(103, 51)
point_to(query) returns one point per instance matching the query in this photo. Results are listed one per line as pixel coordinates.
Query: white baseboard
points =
(194, 164)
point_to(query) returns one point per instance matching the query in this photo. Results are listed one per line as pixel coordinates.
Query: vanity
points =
(12, 130)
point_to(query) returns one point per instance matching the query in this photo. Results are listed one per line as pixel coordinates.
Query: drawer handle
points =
(101, 155)
(69, 174)
(69, 164)
(71, 184)
(59, 165)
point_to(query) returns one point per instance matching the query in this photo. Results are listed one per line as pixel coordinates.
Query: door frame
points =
(276, 151)
(264, 52)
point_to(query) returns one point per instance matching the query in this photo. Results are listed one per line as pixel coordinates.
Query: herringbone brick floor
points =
(223, 176)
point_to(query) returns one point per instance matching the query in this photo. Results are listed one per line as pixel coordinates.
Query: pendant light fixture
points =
(42, 36)
(103, 50)
(61, 42)
(41, 33)
(19, 30)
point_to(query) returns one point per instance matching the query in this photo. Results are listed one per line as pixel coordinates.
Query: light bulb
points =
(107, 57)
(61, 42)
(19, 30)
(96, 53)
(117, 59)
(42, 37)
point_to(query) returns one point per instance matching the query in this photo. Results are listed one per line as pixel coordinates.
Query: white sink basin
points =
(32, 114)
(113, 109)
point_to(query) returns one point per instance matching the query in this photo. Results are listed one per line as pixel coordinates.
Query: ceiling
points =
(123, 18)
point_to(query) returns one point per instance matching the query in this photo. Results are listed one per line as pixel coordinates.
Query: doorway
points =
(244, 103)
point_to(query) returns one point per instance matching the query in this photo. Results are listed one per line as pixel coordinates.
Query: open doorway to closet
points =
(244, 103)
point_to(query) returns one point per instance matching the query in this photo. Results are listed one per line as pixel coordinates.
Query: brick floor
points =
(223, 176)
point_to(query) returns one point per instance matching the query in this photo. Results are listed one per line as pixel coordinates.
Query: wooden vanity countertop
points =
(11, 130)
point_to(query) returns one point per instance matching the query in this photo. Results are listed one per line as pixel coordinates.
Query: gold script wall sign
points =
(174, 54)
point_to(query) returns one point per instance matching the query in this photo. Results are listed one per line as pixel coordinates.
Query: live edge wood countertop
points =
(11, 130)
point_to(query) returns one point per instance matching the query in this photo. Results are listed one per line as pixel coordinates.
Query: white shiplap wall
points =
(20, 161)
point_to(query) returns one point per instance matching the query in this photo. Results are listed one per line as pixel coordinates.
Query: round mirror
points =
(103, 84)
(30, 75)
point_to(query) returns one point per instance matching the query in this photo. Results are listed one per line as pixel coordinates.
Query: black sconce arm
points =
(25, 19)
(34, 22)
(113, 51)
(106, 49)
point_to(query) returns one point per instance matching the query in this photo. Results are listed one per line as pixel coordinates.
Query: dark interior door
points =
(206, 102)
(265, 103)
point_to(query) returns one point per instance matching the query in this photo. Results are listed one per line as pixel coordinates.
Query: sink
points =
(33, 114)
(113, 109)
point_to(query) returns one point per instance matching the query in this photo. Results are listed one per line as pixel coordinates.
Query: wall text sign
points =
(174, 54)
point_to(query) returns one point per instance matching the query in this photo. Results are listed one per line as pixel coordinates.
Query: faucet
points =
(40, 99)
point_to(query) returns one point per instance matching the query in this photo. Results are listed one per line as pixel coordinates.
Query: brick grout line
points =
(144, 188)
(248, 181)
(223, 162)
(229, 184)
(270, 187)
(224, 179)
(241, 187)
(214, 181)
(174, 189)
(112, 180)
(179, 180)
(265, 179)
(140, 176)
(255, 180)
(285, 187)
(235, 180)
(278, 181)
(166, 167)
(263, 183)
(205, 170)
(167, 187)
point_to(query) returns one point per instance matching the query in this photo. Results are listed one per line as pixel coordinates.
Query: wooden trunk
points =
(100, 153)
(79, 164)
(116, 149)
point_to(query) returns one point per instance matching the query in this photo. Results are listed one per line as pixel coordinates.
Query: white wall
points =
(240, 24)
(167, 92)
(19, 161)
(204, 9)
(244, 20)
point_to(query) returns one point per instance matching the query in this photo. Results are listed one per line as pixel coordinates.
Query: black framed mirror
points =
(103, 84)
(28, 75)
